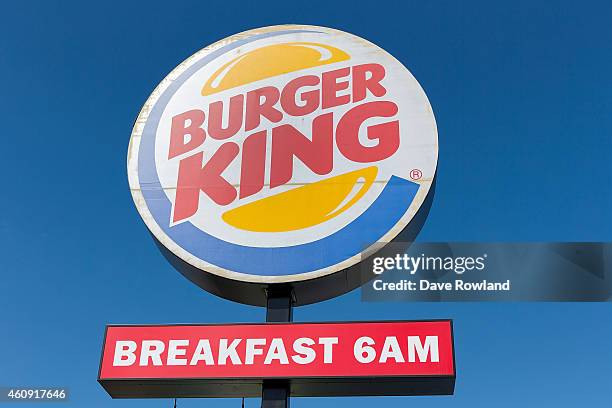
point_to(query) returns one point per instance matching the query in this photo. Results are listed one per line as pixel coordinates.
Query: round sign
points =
(279, 156)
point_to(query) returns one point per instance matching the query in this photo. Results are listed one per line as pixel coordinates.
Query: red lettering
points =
(215, 118)
(288, 142)
(311, 98)
(299, 97)
(193, 178)
(361, 84)
(186, 123)
(387, 134)
(256, 108)
(253, 166)
(330, 88)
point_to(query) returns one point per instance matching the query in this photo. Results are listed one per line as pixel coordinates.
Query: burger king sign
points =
(278, 156)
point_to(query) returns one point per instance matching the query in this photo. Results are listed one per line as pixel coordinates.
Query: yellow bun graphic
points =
(270, 61)
(304, 206)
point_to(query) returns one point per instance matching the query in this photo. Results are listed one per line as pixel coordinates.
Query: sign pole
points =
(279, 309)
(260, 245)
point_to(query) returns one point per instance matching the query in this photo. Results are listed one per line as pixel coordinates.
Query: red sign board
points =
(355, 358)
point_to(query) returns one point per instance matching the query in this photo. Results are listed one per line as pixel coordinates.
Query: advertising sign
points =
(318, 359)
(278, 156)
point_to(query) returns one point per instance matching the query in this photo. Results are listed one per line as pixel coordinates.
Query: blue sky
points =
(522, 94)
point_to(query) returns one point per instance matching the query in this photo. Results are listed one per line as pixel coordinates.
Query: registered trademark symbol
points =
(416, 174)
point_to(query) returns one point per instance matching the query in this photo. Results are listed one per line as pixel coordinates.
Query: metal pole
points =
(279, 308)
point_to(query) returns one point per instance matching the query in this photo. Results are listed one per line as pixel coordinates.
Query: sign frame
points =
(309, 286)
(248, 387)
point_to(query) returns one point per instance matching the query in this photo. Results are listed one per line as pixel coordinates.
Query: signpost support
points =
(279, 308)
(281, 262)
